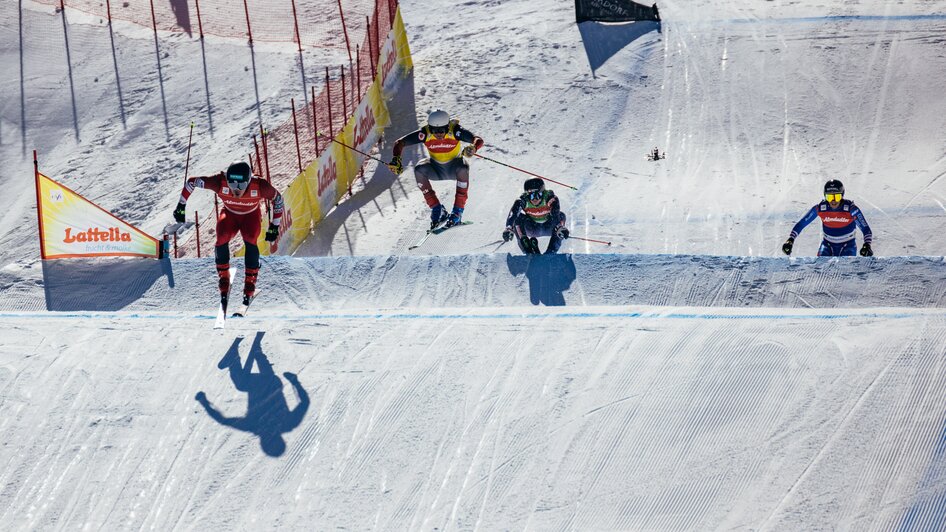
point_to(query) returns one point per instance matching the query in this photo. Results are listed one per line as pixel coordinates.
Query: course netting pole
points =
(351, 79)
(328, 94)
(358, 69)
(344, 97)
(249, 30)
(295, 127)
(200, 25)
(371, 49)
(197, 227)
(344, 29)
(377, 29)
(525, 171)
(154, 22)
(296, 21)
(315, 124)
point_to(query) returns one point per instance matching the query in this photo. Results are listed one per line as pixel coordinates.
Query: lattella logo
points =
(94, 234)
(839, 219)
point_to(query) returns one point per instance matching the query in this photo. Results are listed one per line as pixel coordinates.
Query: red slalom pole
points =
(590, 240)
(356, 150)
(525, 171)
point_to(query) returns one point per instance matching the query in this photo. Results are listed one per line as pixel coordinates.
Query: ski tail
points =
(435, 231)
(245, 307)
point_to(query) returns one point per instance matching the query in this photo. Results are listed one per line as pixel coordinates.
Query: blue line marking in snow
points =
(833, 18)
(497, 316)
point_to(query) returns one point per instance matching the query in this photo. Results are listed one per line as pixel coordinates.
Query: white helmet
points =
(438, 118)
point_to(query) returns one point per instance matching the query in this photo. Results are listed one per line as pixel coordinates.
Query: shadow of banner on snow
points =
(267, 414)
(100, 284)
(603, 40)
(549, 276)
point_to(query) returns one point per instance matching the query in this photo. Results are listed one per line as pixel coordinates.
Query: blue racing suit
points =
(838, 228)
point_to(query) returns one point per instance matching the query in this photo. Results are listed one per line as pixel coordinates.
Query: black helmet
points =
(238, 175)
(534, 188)
(834, 187)
(238, 171)
(534, 184)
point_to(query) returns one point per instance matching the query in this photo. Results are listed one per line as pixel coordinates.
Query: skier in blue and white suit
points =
(839, 220)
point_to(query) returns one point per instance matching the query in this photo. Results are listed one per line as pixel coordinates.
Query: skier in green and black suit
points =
(536, 213)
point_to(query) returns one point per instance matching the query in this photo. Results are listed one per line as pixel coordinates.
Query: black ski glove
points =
(395, 165)
(507, 234)
(787, 246)
(272, 233)
(562, 232)
(179, 213)
(866, 251)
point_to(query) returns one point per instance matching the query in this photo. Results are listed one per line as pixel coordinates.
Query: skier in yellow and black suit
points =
(442, 137)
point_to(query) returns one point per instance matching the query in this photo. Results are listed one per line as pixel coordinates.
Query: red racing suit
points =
(239, 214)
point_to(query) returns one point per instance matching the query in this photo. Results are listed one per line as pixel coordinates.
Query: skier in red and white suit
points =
(241, 194)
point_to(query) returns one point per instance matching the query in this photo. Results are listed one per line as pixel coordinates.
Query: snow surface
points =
(687, 377)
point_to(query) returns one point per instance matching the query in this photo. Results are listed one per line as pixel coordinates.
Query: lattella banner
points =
(614, 11)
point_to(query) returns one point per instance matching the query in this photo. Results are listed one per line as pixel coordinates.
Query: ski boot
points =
(249, 285)
(529, 245)
(438, 215)
(455, 217)
(223, 283)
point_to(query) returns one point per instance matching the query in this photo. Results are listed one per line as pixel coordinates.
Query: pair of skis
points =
(435, 231)
(241, 312)
(221, 321)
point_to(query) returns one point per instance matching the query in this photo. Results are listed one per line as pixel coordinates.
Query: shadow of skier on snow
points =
(549, 276)
(267, 414)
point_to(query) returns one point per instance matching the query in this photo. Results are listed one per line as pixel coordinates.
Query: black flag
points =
(613, 11)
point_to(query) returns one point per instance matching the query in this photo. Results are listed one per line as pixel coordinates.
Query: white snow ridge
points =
(688, 377)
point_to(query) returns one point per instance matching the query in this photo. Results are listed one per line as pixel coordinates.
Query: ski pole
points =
(356, 150)
(590, 240)
(500, 242)
(525, 171)
(187, 163)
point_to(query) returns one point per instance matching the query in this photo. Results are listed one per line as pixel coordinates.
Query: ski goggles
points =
(535, 195)
(831, 198)
(439, 130)
(238, 184)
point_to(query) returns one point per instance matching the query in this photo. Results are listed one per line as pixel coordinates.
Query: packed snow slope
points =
(350, 397)
(687, 377)
(756, 104)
